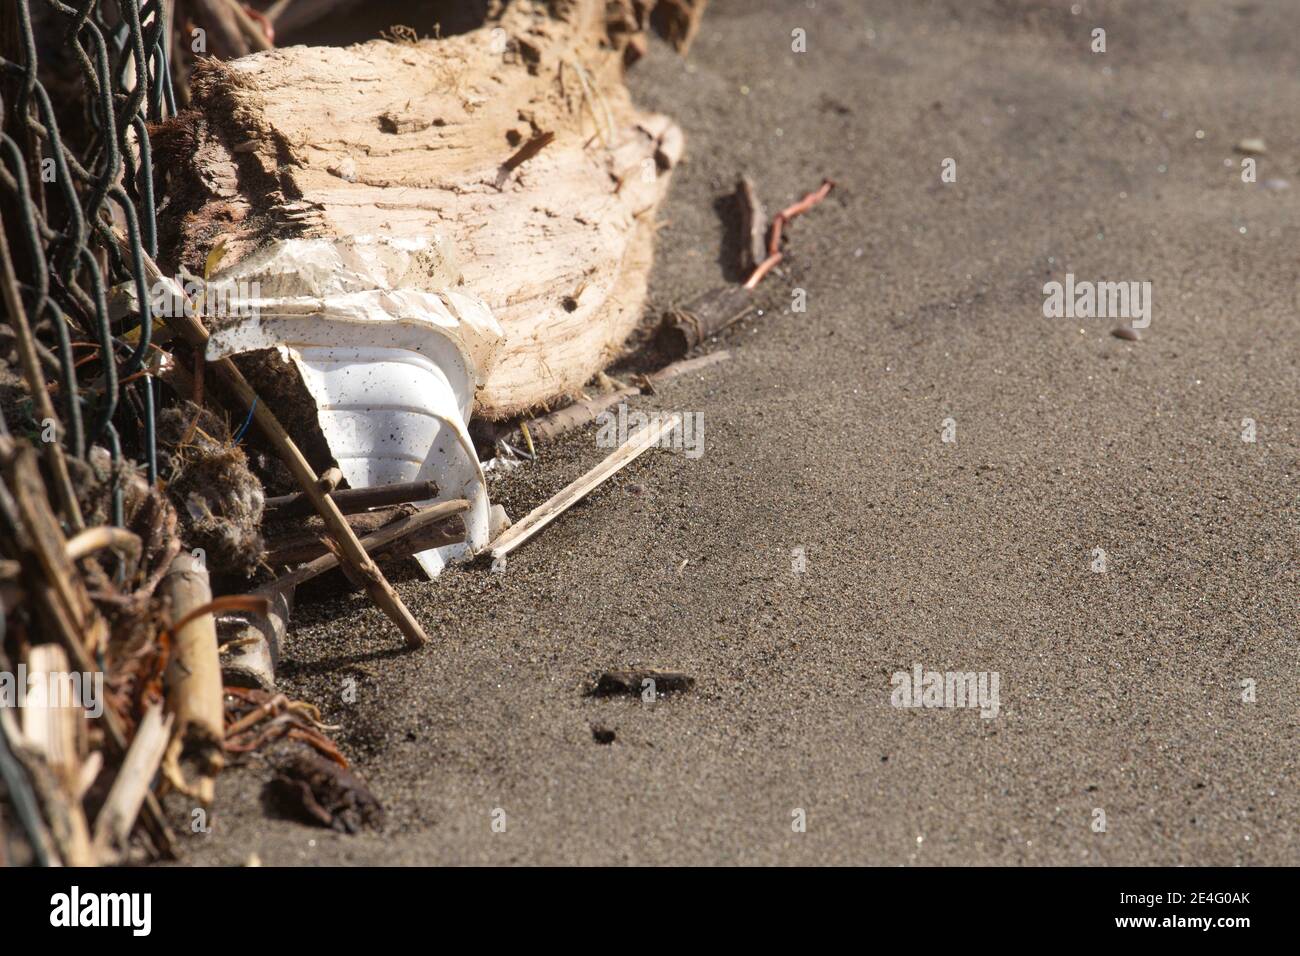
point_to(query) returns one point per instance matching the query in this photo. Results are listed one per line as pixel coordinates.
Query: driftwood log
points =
(517, 145)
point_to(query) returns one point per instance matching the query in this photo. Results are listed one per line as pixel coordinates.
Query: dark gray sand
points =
(1120, 691)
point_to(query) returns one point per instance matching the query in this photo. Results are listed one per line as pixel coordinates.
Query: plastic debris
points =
(388, 351)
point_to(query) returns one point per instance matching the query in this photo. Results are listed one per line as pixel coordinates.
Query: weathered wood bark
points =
(412, 140)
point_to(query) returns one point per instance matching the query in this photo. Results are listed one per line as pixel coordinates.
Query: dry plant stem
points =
(273, 706)
(686, 366)
(193, 679)
(63, 605)
(131, 788)
(249, 27)
(544, 514)
(764, 267)
(243, 603)
(225, 38)
(27, 357)
(785, 215)
(354, 556)
(235, 32)
(124, 542)
(78, 622)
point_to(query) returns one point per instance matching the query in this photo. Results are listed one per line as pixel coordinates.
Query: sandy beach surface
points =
(1119, 691)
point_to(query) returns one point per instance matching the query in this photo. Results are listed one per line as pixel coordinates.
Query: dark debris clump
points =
(219, 500)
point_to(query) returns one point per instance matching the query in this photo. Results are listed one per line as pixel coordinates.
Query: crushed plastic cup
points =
(390, 354)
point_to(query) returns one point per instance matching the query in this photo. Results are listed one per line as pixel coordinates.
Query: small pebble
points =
(1129, 335)
(1252, 146)
(602, 734)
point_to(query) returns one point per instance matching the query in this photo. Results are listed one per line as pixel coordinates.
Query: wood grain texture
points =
(410, 139)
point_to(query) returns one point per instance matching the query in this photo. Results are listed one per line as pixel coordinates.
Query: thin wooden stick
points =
(253, 33)
(352, 500)
(579, 413)
(385, 536)
(131, 789)
(754, 218)
(573, 416)
(306, 544)
(544, 514)
(188, 328)
(686, 366)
